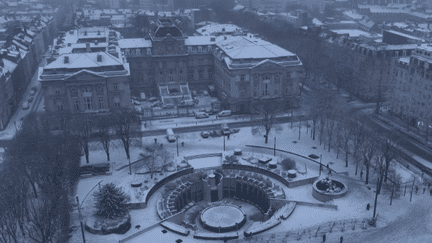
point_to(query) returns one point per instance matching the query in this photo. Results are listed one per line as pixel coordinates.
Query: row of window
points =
(88, 104)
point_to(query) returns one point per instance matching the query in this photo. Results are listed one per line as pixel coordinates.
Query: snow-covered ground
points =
(353, 205)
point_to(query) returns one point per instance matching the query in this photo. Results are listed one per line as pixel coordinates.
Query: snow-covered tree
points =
(110, 202)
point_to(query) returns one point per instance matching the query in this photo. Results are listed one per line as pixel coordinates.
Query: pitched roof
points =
(84, 60)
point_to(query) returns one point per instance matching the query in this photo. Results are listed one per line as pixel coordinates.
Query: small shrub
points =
(288, 164)
(146, 188)
(284, 174)
(268, 182)
(146, 181)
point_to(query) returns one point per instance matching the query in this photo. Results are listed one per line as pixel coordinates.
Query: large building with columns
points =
(242, 68)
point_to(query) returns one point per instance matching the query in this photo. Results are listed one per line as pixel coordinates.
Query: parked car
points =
(200, 115)
(154, 104)
(136, 102)
(224, 113)
(153, 99)
(30, 99)
(205, 134)
(168, 106)
(25, 105)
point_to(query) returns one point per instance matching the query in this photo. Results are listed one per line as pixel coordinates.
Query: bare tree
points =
(388, 152)
(81, 126)
(358, 139)
(265, 113)
(125, 125)
(155, 158)
(346, 134)
(369, 151)
(103, 125)
(43, 225)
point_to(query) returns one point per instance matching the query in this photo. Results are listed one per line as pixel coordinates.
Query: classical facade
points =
(412, 80)
(85, 82)
(243, 69)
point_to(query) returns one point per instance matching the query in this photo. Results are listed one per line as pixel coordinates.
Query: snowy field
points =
(353, 205)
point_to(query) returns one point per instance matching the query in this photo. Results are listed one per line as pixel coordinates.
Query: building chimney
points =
(69, 44)
(98, 32)
(88, 47)
(66, 59)
(223, 29)
(99, 58)
(85, 32)
(212, 39)
(96, 42)
(225, 37)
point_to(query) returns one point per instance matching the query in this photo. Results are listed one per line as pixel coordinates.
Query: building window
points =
(199, 48)
(149, 51)
(171, 76)
(138, 52)
(191, 75)
(88, 103)
(265, 90)
(242, 78)
(101, 103)
(201, 74)
(209, 48)
(59, 105)
(117, 102)
(57, 91)
(127, 52)
(115, 86)
(210, 73)
(189, 49)
(76, 104)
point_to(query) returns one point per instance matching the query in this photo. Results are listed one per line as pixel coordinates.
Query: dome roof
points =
(163, 31)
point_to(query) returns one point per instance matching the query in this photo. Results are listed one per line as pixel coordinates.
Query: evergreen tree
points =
(110, 202)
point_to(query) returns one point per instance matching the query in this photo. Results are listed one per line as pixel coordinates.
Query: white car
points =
(25, 105)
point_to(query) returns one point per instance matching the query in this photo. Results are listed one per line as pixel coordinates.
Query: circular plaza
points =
(223, 218)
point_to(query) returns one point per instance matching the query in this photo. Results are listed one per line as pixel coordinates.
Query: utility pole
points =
(391, 197)
(80, 217)
(224, 141)
(376, 196)
(320, 165)
(274, 150)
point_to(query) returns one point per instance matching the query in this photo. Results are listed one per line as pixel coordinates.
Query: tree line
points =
(41, 168)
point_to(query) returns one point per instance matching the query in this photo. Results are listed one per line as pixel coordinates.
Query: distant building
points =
(412, 81)
(397, 38)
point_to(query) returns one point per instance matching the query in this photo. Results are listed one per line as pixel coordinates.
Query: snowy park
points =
(349, 209)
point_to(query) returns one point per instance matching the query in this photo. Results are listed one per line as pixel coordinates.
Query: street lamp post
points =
(80, 217)
(177, 146)
(130, 168)
(224, 141)
(320, 165)
(274, 150)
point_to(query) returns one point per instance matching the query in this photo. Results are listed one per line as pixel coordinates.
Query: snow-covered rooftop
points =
(241, 47)
(404, 60)
(84, 60)
(211, 29)
(134, 43)
(200, 40)
(352, 32)
(353, 15)
(405, 35)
